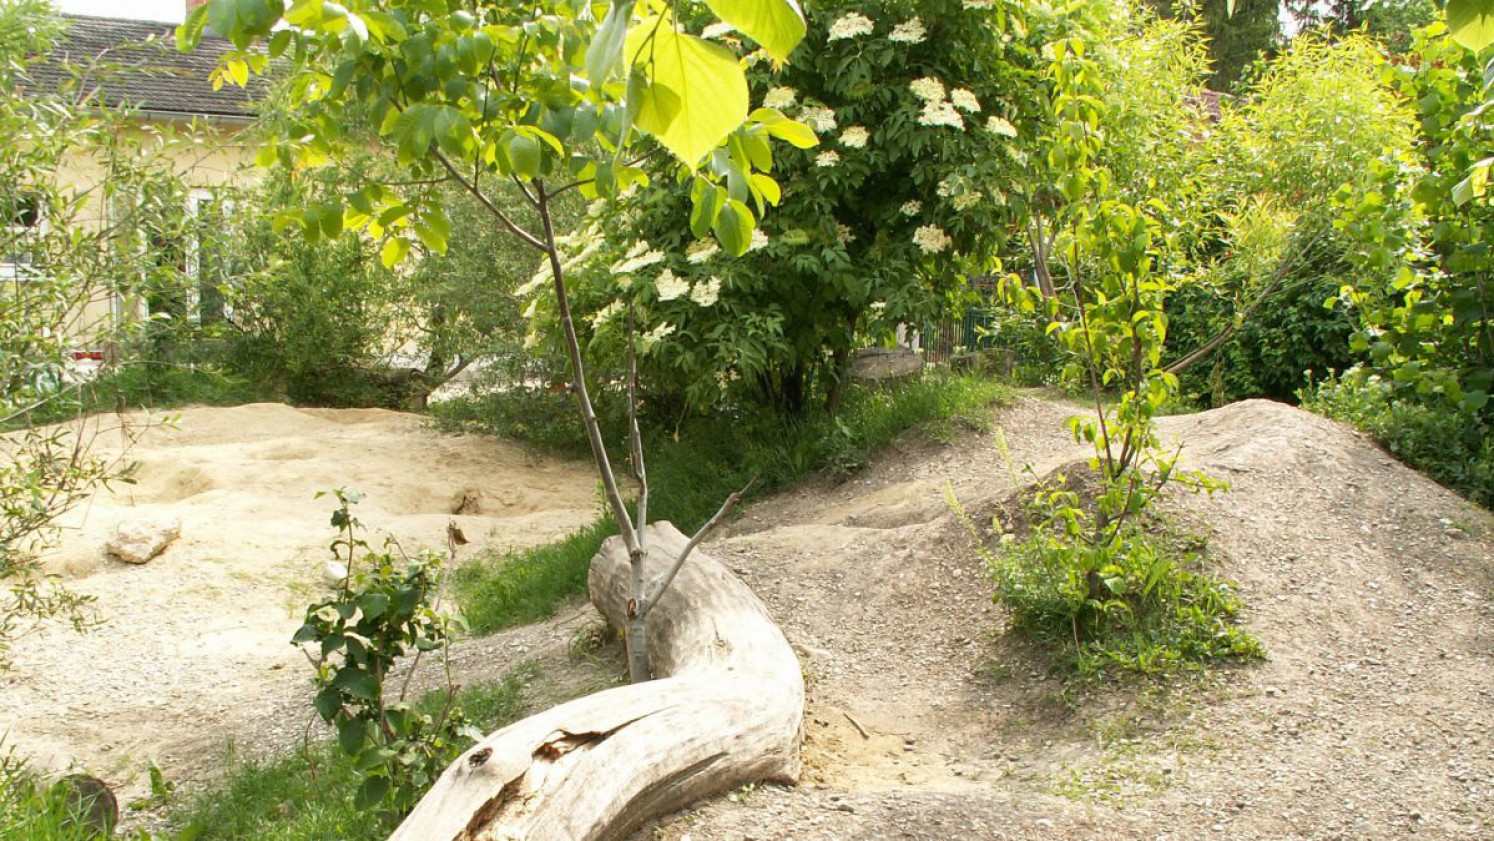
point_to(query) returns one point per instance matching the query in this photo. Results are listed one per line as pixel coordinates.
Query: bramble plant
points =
(548, 98)
(386, 607)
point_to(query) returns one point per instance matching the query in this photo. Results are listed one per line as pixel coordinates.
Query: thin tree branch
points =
(661, 585)
(635, 436)
(578, 371)
(513, 227)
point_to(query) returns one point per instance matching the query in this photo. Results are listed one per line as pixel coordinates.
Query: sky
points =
(166, 10)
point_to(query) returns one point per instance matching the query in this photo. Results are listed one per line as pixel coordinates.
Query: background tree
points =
(917, 106)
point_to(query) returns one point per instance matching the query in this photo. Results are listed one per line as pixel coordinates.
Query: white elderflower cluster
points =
(979, 4)
(607, 313)
(964, 100)
(759, 240)
(829, 157)
(911, 208)
(996, 125)
(656, 335)
(928, 89)
(932, 239)
(780, 97)
(909, 32)
(947, 187)
(843, 233)
(965, 201)
(855, 137)
(852, 25)
(937, 111)
(941, 114)
(701, 250)
(670, 286)
(640, 256)
(819, 118)
(706, 293)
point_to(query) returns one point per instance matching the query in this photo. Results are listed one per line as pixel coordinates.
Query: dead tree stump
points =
(726, 709)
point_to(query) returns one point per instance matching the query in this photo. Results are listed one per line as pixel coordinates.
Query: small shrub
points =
(1452, 445)
(385, 609)
(1126, 597)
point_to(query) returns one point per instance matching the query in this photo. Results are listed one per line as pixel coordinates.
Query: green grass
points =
(308, 795)
(692, 468)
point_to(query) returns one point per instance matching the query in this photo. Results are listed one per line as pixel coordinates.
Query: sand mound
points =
(195, 641)
(1368, 584)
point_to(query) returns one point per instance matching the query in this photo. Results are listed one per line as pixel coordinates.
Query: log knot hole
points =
(478, 759)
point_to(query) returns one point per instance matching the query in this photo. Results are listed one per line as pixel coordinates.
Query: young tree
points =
(546, 99)
(59, 270)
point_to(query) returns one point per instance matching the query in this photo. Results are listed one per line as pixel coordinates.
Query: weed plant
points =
(693, 465)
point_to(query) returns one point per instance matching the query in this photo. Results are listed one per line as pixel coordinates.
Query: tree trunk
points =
(726, 710)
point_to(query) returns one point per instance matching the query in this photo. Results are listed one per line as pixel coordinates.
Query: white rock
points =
(138, 541)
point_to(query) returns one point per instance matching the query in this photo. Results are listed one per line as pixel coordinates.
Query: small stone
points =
(138, 541)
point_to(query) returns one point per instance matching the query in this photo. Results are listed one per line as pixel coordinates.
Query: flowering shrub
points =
(917, 106)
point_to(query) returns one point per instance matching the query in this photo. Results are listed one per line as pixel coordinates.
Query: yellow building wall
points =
(203, 155)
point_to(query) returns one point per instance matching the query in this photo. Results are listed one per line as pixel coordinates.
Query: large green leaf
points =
(695, 94)
(604, 57)
(1471, 22)
(778, 25)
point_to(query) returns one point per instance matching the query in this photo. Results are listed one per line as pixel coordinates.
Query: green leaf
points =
(695, 93)
(777, 25)
(767, 187)
(604, 57)
(351, 734)
(795, 133)
(242, 21)
(706, 201)
(357, 683)
(328, 703)
(733, 227)
(1471, 22)
(524, 154)
(393, 252)
(371, 793)
(189, 34)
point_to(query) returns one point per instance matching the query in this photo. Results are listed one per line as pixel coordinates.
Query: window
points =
(24, 225)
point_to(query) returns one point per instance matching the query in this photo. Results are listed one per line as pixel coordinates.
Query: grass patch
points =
(308, 796)
(692, 468)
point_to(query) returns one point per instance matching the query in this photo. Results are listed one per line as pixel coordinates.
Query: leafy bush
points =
(309, 795)
(1136, 600)
(1452, 445)
(385, 609)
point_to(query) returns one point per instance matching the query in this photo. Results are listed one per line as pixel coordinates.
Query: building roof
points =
(136, 64)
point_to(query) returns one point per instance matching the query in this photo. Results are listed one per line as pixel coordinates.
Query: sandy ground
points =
(194, 649)
(1369, 585)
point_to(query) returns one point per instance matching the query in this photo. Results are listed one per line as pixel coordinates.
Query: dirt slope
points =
(1369, 585)
(194, 650)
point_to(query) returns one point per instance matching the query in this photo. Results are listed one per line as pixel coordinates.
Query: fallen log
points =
(726, 709)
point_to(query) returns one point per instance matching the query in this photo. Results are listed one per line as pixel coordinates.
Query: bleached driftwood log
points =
(725, 709)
